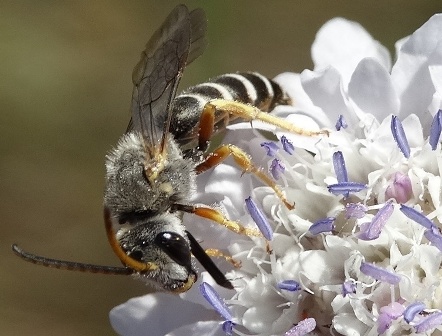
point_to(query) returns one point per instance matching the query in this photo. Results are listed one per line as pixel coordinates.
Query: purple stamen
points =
(372, 230)
(412, 310)
(348, 287)
(433, 235)
(428, 323)
(259, 218)
(344, 188)
(322, 225)
(270, 147)
(379, 273)
(276, 169)
(228, 327)
(399, 188)
(339, 165)
(289, 285)
(341, 123)
(417, 217)
(435, 130)
(302, 328)
(287, 145)
(355, 210)
(399, 136)
(215, 301)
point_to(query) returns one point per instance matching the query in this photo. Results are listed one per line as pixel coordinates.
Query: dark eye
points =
(175, 246)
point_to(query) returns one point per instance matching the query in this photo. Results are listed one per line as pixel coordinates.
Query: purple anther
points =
(433, 235)
(355, 210)
(348, 287)
(302, 328)
(228, 327)
(289, 285)
(339, 166)
(287, 145)
(341, 123)
(372, 230)
(399, 188)
(435, 130)
(417, 216)
(322, 225)
(412, 310)
(430, 322)
(259, 218)
(379, 273)
(276, 169)
(215, 301)
(399, 136)
(270, 147)
(344, 188)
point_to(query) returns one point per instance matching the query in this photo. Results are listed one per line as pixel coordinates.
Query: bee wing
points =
(179, 40)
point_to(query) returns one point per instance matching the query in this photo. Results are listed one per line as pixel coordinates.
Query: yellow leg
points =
(217, 253)
(245, 162)
(218, 217)
(249, 113)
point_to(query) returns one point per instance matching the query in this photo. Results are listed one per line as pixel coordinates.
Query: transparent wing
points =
(179, 40)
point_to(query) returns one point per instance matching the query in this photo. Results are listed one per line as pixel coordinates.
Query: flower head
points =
(361, 251)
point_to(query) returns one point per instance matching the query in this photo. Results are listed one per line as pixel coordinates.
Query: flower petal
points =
(371, 89)
(343, 44)
(152, 313)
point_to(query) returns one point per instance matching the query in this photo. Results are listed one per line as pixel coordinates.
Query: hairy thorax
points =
(129, 191)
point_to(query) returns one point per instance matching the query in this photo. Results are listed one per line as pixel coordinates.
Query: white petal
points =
(371, 89)
(413, 129)
(425, 39)
(207, 328)
(326, 91)
(321, 267)
(302, 104)
(342, 44)
(155, 314)
(349, 325)
(410, 73)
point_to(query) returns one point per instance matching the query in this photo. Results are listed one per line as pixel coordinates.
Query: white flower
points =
(360, 254)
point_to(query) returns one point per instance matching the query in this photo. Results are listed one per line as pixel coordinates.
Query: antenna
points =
(70, 265)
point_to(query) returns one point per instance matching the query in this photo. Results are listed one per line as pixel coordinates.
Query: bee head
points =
(158, 251)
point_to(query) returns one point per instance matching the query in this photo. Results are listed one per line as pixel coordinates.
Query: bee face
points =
(161, 239)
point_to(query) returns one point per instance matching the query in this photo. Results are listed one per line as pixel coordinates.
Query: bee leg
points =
(249, 113)
(217, 216)
(218, 253)
(245, 162)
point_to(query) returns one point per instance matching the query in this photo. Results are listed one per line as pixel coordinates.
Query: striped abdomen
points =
(248, 87)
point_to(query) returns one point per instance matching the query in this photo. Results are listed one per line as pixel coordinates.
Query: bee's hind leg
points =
(250, 113)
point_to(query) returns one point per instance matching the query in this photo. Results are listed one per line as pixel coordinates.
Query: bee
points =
(151, 173)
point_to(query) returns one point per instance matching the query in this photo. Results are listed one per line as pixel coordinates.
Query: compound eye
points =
(176, 247)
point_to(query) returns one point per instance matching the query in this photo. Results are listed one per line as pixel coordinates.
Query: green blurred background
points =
(65, 77)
